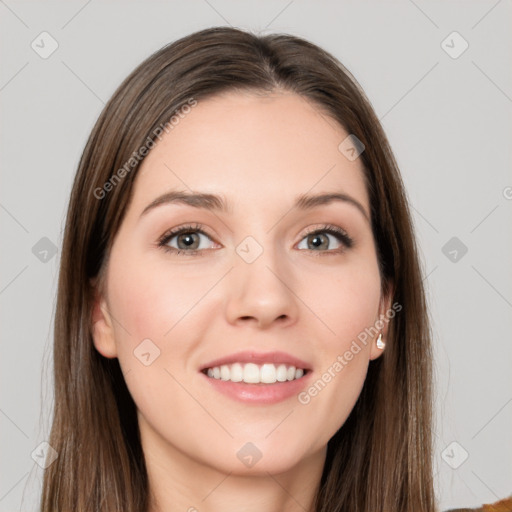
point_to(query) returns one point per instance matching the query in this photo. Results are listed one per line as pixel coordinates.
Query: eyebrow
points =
(214, 202)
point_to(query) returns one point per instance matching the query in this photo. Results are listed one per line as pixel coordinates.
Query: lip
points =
(263, 394)
(248, 356)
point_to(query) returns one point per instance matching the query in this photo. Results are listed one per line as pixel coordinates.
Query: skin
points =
(259, 152)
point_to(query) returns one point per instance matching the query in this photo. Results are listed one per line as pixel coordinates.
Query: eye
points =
(186, 239)
(193, 240)
(322, 238)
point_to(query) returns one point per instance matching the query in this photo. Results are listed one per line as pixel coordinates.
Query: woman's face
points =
(250, 277)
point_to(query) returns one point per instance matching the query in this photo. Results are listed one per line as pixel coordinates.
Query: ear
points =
(386, 312)
(102, 326)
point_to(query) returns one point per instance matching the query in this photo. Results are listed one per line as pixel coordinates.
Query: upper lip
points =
(248, 356)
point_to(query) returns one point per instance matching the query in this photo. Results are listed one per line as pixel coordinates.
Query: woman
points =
(241, 321)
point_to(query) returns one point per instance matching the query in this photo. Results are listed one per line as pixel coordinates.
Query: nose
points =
(261, 292)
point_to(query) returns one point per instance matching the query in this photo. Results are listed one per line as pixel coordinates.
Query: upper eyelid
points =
(172, 232)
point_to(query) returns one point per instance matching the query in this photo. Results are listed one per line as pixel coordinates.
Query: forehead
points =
(251, 148)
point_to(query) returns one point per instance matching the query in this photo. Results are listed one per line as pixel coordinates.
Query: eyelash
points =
(331, 229)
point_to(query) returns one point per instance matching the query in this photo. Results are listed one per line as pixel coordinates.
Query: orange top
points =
(504, 505)
(500, 506)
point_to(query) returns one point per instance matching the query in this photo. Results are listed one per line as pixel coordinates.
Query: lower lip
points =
(259, 393)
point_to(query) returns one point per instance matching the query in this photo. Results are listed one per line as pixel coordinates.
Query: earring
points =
(380, 343)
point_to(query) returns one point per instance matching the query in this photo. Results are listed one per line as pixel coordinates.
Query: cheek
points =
(332, 396)
(345, 302)
(162, 315)
(155, 313)
(149, 300)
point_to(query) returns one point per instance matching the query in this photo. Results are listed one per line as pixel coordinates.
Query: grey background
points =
(449, 123)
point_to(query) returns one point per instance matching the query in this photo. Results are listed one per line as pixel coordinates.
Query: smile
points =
(251, 373)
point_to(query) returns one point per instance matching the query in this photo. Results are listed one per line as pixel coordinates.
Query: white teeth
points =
(237, 372)
(268, 374)
(224, 372)
(251, 373)
(281, 373)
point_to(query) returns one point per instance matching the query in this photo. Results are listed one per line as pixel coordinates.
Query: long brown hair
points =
(381, 458)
